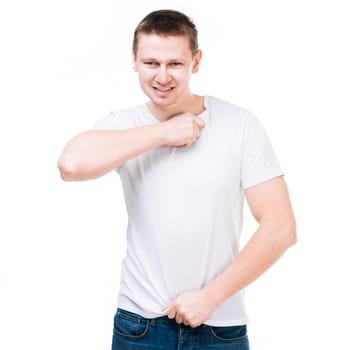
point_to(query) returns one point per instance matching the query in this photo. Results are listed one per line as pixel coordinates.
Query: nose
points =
(163, 77)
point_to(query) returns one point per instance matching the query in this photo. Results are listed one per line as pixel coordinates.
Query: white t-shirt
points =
(185, 207)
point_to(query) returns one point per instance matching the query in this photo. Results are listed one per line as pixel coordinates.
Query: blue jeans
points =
(133, 332)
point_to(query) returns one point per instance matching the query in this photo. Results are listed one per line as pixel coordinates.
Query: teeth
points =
(165, 90)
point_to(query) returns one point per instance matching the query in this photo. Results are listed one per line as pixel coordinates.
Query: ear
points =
(134, 62)
(196, 61)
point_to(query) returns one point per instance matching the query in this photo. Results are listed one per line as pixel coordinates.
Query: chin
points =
(162, 102)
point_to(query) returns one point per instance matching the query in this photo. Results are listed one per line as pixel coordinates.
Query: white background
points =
(67, 63)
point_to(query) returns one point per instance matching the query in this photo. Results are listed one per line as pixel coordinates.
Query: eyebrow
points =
(155, 59)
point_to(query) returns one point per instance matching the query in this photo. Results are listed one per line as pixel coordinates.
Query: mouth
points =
(163, 90)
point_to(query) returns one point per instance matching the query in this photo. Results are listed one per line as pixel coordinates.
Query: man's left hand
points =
(190, 308)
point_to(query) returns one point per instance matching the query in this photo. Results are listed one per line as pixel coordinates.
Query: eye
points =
(151, 63)
(176, 64)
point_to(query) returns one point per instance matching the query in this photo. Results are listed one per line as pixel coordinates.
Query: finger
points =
(171, 313)
(179, 319)
(168, 310)
(200, 122)
(185, 145)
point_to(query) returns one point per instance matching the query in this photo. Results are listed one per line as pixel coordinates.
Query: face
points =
(165, 65)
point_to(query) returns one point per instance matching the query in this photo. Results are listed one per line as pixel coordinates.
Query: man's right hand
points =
(182, 130)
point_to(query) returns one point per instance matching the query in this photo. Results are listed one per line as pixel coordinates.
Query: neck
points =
(193, 104)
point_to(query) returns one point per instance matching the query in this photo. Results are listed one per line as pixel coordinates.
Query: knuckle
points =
(181, 311)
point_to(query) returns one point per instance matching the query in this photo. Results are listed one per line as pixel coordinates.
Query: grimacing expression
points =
(165, 65)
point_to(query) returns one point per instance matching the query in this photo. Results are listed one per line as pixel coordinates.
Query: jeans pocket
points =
(231, 333)
(131, 325)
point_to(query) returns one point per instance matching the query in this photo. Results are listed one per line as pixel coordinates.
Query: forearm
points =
(260, 253)
(94, 153)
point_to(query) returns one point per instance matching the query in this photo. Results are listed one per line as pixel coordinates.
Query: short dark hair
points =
(167, 22)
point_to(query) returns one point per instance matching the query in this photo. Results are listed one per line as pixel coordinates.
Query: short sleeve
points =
(112, 121)
(259, 162)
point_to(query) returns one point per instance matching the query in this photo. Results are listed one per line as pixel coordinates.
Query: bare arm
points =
(94, 153)
(270, 205)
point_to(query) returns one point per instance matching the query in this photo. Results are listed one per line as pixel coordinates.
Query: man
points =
(186, 162)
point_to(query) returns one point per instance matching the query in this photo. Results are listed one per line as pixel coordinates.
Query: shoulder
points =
(219, 104)
(119, 119)
(229, 113)
(227, 110)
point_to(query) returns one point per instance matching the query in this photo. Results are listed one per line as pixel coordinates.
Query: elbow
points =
(68, 170)
(290, 233)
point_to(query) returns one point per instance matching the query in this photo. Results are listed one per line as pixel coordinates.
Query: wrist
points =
(160, 135)
(212, 295)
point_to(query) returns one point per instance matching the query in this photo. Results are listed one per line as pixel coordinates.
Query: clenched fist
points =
(191, 308)
(182, 130)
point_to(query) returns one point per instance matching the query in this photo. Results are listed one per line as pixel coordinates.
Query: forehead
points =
(162, 46)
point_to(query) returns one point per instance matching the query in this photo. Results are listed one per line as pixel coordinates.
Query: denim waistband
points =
(161, 319)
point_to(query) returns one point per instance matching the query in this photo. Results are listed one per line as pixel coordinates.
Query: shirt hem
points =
(263, 179)
(210, 322)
